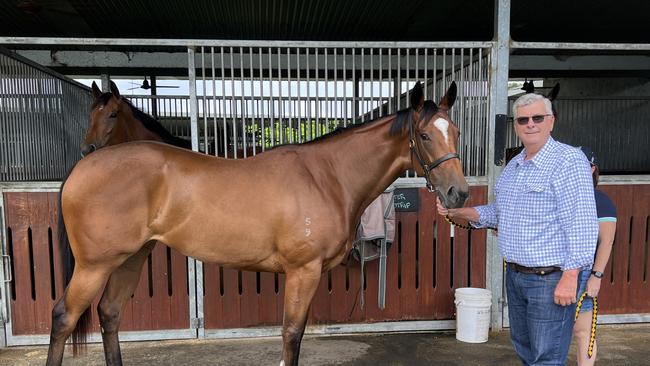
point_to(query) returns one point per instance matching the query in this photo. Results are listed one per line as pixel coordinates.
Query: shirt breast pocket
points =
(538, 201)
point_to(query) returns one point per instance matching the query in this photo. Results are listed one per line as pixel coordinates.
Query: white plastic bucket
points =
(472, 314)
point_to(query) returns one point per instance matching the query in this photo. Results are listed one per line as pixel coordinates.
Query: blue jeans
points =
(588, 302)
(540, 330)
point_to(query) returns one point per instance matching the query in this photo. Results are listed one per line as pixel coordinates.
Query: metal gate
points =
(255, 97)
(43, 119)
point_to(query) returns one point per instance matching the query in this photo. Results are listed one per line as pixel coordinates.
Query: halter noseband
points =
(427, 168)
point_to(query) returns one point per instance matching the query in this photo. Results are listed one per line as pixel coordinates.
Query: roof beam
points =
(62, 60)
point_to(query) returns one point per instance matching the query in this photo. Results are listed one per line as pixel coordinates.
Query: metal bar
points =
(498, 102)
(381, 83)
(330, 329)
(271, 106)
(194, 128)
(280, 100)
(471, 97)
(337, 115)
(223, 106)
(237, 43)
(204, 103)
(372, 85)
(126, 336)
(434, 83)
(262, 109)
(214, 103)
(580, 46)
(309, 111)
(253, 110)
(233, 104)
(289, 100)
(317, 122)
(327, 92)
(355, 86)
(300, 125)
(244, 109)
(391, 98)
(426, 72)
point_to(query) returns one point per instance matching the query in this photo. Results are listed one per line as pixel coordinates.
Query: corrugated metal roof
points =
(250, 19)
(332, 20)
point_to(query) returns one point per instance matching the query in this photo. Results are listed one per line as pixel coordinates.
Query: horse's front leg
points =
(300, 286)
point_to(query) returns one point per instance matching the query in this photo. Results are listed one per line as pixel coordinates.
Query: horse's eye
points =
(113, 115)
(424, 136)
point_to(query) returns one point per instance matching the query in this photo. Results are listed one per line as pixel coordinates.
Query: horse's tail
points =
(81, 330)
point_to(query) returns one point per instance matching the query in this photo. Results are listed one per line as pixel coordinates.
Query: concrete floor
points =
(618, 345)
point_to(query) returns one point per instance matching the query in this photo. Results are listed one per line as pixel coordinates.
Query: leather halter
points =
(427, 168)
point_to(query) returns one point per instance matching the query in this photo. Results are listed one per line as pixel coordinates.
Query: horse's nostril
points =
(87, 149)
(452, 191)
(463, 195)
(456, 194)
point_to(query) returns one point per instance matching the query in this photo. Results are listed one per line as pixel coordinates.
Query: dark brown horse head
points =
(436, 138)
(108, 118)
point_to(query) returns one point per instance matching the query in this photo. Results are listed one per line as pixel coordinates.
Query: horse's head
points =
(107, 120)
(435, 146)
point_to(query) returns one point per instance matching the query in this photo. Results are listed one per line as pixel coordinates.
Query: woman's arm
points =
(606, 232)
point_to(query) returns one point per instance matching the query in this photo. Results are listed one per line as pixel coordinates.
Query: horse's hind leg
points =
(300, 286)
(82, 289)
(120, 287)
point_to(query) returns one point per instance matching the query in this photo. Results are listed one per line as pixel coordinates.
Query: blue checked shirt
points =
(545, 210)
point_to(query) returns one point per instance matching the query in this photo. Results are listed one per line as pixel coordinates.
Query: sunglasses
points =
(538, 118)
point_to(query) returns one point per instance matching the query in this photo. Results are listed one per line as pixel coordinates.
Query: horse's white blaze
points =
(443, 125)
(282, 363)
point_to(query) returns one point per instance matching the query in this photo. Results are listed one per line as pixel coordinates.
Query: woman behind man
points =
(589, 280)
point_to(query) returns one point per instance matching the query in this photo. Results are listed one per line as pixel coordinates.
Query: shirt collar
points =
(543, 156)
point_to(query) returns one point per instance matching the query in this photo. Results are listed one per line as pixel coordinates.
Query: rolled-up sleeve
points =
(577, 212)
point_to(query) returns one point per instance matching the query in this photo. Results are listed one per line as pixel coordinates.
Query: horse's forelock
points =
(102, 100)
(403, 118)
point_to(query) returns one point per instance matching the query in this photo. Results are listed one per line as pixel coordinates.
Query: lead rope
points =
(594, 318)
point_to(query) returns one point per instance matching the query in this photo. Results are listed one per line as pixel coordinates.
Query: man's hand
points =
(593, 286)
(565, 291)
(442, 210)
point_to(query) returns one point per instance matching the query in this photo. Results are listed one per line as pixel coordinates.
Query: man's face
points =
(532, 133)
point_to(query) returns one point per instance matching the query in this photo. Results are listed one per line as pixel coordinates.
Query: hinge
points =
(196, 323)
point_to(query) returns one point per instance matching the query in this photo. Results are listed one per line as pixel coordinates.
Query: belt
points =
(532, 270)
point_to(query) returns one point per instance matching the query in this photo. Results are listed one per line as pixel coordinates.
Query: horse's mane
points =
(401, 121)
(147, 121)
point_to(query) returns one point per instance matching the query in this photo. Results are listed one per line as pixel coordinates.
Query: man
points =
(545, 214)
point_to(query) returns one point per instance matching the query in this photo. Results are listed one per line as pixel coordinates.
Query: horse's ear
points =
(114, 90)
(96, 91)
(554, 92)
(449, 98)
(417, 97)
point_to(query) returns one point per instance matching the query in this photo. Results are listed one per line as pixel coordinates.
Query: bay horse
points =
(114, 120)
(120, 199)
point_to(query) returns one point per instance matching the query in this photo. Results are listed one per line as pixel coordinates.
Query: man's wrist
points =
(597, 274)
(571, 272)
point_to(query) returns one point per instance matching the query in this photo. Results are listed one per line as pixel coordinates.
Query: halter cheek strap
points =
(427, 168)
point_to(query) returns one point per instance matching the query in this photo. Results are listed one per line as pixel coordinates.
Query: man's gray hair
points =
(531, 98)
